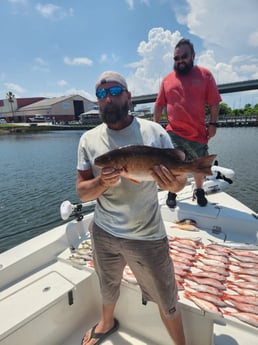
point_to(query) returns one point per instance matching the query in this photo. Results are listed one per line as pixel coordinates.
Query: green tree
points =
(248, 109)
(224, 109)
(255, 109)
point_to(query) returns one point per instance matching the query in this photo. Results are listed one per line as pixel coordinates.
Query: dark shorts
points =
(191, 149)
(149, 261)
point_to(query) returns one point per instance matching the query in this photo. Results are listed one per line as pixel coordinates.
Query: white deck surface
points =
(35, 309)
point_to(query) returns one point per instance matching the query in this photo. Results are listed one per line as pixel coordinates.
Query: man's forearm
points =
(157, 113)
(214, 112)
(90, 189)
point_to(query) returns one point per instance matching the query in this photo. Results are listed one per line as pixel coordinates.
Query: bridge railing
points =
(223, 88)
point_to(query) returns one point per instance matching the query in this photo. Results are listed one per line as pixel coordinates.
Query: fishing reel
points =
(67, 209)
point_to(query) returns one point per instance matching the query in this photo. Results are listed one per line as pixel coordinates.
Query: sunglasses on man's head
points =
(113, 91)
(181, 57)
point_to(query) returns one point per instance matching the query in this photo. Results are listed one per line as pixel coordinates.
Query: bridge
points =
(223, 88)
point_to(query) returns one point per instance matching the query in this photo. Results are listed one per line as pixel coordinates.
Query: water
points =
(38, 172)
(237, 148)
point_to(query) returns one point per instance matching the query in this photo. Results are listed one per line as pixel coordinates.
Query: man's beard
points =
(184, 69)
(112, 113)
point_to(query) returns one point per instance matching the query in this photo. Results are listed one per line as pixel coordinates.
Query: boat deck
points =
(224, 330)
(54, 301)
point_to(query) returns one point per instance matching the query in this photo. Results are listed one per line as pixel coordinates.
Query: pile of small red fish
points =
(217, 279)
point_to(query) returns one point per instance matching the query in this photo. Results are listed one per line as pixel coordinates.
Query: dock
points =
(232, 121)
(238, 121)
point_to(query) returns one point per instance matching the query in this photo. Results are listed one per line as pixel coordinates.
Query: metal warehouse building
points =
(57, 109)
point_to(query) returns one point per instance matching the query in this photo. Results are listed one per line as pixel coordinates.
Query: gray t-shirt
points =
(126, 210)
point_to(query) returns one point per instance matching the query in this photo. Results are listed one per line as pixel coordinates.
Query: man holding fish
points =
(185, 93)
(127, 226)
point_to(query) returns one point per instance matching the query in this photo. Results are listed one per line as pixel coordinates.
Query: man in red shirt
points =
(184, 93)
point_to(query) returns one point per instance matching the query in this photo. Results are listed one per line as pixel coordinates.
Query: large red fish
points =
(137, 161)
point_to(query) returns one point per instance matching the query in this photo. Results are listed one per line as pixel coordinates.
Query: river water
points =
(38, 172)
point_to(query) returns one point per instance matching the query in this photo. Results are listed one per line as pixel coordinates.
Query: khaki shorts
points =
(149, 261)
(191, 149)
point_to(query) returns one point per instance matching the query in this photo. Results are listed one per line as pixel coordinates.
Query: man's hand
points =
(108, 177)
(211, 132)
(166, 180)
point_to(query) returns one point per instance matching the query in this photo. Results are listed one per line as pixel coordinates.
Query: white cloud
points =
(15, 88)
(222, 72)
(51, 11)
(62, 83)
(47, 10)
(241, 58)
(225, 35)
(227, 26)
(111, 58)
(248, 68)
(131, 3)
(256, 77)
(78, 61)
(156, 60)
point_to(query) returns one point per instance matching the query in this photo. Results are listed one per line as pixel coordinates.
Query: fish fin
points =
(204, 164)
(176, 154)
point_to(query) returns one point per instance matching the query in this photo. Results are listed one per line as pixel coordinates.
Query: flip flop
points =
(101, 336)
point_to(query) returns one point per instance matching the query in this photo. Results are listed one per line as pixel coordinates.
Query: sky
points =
(60, 47)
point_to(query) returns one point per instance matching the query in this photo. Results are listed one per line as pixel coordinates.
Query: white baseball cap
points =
(111, 76)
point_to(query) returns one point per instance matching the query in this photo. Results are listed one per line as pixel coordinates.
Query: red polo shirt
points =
(185, 97)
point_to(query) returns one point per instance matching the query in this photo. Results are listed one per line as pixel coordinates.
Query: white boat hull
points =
(47, 299)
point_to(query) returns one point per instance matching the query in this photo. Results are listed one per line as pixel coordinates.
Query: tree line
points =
(248, 110)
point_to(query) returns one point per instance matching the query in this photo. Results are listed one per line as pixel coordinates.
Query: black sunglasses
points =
(181, 57)
(113, 91)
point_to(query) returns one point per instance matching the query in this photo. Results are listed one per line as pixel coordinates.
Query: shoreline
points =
(36, 128)
(23, 128)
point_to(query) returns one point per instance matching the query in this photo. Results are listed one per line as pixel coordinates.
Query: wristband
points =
(215, 124)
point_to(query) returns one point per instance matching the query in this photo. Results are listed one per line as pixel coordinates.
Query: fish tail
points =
(204, 164)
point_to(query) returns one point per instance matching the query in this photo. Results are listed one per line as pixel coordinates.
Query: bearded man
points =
(185, 93)
(127, 226)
